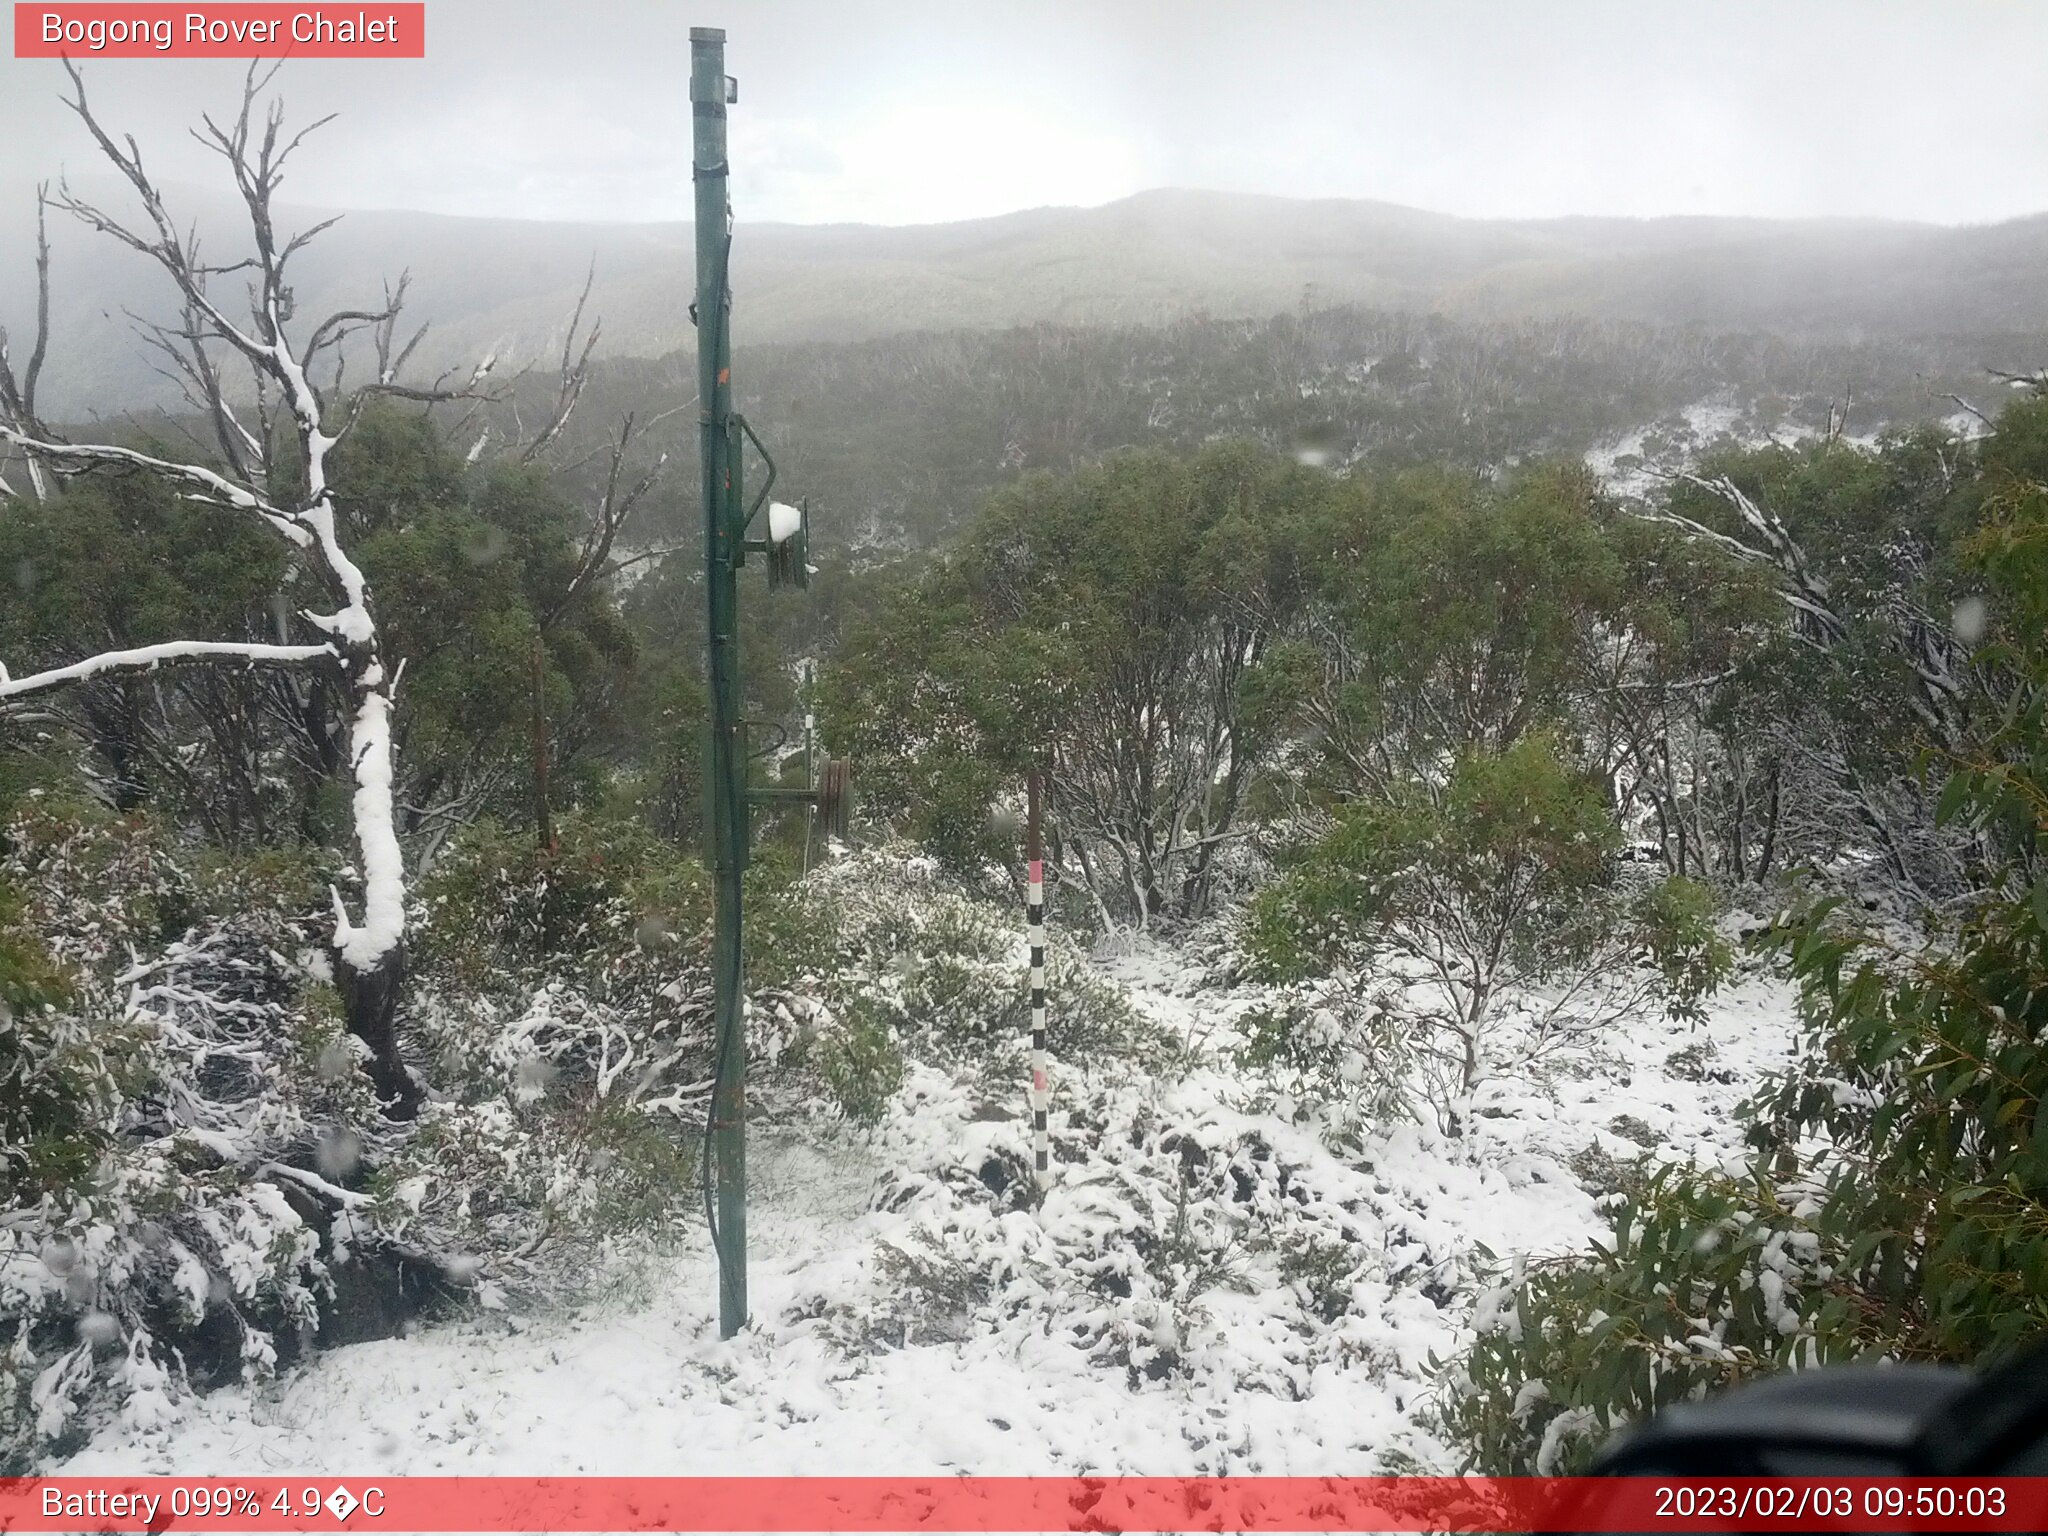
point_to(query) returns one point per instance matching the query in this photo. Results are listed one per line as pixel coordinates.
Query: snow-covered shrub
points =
(1893, 1205)
(100, 888)
(166, 1221)
(1328, 1043)
(1491, 909)
(531, 1198)
(947, 972)
(1705, 1280)
(564, 1009)
(1180, 1241)
(62, 1075)
(607, 905)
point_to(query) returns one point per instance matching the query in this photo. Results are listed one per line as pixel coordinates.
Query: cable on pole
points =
(1034, 915)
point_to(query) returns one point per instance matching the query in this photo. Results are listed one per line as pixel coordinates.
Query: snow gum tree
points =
(1113, 626)
(1496, 885)
(273, 445)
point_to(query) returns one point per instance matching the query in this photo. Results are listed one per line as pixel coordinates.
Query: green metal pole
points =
(725, 783)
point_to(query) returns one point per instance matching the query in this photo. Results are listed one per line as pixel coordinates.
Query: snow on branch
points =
(18, 393)
(256, 147)
(574, 375)
(148, 658)
(208, 485)
(1771, 544)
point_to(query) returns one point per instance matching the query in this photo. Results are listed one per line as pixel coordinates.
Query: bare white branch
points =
(148, 658)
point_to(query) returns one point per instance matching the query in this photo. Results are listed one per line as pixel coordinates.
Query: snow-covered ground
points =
(1634, 463)
(1159, 1313)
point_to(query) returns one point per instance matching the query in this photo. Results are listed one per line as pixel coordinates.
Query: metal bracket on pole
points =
(760, 496)
(831, 796)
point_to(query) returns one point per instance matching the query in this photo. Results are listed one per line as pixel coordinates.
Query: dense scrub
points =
(901, 437)
(1464, 766)
(1510, 748)
(1896, 1203)
(199, 1182)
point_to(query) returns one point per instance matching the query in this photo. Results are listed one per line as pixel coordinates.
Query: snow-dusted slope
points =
(1162, 1312)
(1634, 464)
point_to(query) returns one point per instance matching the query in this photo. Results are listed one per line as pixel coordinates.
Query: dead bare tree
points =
(1935, 659)
(294, 497)
(18, 394)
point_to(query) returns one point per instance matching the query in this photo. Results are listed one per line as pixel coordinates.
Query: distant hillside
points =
(507, 285)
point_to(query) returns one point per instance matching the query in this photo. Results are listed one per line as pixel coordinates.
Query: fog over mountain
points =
(1318, 751)
(507, 286)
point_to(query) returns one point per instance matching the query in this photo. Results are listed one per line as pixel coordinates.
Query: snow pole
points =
(1034, 916)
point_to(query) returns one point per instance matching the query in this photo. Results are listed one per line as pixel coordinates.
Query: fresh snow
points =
(364, 945)
(1635, 463)
(840, 1374)
(148, 657)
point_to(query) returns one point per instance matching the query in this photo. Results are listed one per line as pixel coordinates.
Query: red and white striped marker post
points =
(1034, 914)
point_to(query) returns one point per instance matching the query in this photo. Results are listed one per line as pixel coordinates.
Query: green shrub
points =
(497, 905)
(64, 1075)
(104, 886)
(1676, 920)
(1497, 892)
(1705, 1280)
(1896, 1203)
(531, 1191)
(860, 1063)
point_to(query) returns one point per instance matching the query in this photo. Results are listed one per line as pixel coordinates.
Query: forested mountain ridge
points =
(506, 286)
(898, 438)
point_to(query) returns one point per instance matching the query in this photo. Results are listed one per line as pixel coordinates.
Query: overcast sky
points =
(899, 111)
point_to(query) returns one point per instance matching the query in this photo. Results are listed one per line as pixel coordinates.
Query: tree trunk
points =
(370, 955)
(369, 1000)
(1763, 863)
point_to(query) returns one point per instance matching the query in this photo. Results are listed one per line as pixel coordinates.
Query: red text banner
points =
(876, 1504)
(115, 31)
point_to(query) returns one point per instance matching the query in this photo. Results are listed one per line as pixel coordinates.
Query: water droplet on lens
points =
(533, 1077)
(485, 545)
(1315, 445)
(336, 1060)
(338, 1153)
(1971, 618)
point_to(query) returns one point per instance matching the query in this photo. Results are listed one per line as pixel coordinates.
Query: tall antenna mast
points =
(725, 808)
(785, 545)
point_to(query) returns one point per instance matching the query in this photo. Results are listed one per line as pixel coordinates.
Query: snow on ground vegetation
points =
(1634, 463)
(1213, 1283)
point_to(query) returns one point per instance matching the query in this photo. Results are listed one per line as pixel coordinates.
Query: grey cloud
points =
(898, 111)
